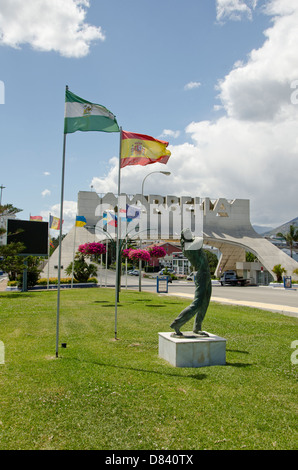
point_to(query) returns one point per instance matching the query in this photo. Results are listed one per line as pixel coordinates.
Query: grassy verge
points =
(115, 395)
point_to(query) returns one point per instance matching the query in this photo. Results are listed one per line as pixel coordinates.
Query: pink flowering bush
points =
(139, 254)
(93, 249)
(125, 252)
(157, 251)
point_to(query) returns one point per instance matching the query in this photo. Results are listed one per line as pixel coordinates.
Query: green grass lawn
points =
(115, 395)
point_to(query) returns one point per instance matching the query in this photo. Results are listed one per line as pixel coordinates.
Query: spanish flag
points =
(140, 149)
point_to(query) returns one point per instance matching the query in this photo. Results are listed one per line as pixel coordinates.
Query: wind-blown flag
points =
(109, 218)
(54, 223)
(80, 221)
(126, 215)
(36, 217)
(140, 149)
(82, 115)
(132, 213)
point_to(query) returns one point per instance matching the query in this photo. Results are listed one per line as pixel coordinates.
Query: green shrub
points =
(64, 280)
(92, 280)
(278, 271)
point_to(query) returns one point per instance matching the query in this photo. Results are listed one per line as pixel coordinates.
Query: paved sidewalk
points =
(284, 309)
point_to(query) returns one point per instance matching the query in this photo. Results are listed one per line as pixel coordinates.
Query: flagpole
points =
(117, 238)
(60, 241)
(106, 272)
(73, 252)
(48, 281)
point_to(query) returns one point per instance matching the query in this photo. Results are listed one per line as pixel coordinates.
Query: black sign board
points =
(34, 235)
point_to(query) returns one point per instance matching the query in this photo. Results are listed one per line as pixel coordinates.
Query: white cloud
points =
(48, 25)
(108, 183)
(46, 192)
(69, 214)
(234, 9)
(46, 173)
(277, 7)
(251, 151)
(260, 88)
(192, 85)
(170, 133)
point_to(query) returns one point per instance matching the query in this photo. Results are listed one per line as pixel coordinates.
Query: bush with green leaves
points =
(82, 270)
(279, 271)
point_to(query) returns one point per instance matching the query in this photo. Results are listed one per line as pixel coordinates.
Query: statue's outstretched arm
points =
(196, 244)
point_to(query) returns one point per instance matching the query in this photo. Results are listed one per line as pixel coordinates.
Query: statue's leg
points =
(183, 317)
(202, 309)
(189, 311)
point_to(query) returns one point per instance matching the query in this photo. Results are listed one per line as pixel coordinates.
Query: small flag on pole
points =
(82, 115)
(109, 218)
(80, 221)
(36, 217)
(132, 213)
(140, 149)
(54, 222)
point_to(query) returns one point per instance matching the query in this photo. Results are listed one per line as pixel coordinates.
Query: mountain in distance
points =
(261, 229)
(284, 228)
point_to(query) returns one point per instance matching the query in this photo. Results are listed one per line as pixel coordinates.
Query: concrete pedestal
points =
(192, 350)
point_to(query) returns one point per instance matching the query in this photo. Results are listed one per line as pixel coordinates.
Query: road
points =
(275, 299)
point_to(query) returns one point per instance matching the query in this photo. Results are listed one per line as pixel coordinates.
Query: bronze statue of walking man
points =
(193, 250)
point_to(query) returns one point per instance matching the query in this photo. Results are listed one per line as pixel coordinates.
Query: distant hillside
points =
(285, 228)
(260, 229)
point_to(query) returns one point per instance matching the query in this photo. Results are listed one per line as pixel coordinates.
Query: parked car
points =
(166, 271)
(230, 278)
(133, 272)
(169, 277)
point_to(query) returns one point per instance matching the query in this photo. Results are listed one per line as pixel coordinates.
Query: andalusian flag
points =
(140, 149)
(80, 221)
(81, 115)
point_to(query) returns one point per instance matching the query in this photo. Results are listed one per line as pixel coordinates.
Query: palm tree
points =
(279, 271)
(290, 237)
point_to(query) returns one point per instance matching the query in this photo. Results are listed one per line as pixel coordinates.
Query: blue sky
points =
(213, 77)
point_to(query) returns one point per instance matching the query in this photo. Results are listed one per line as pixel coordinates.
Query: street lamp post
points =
(167, 173)
(1, 188)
